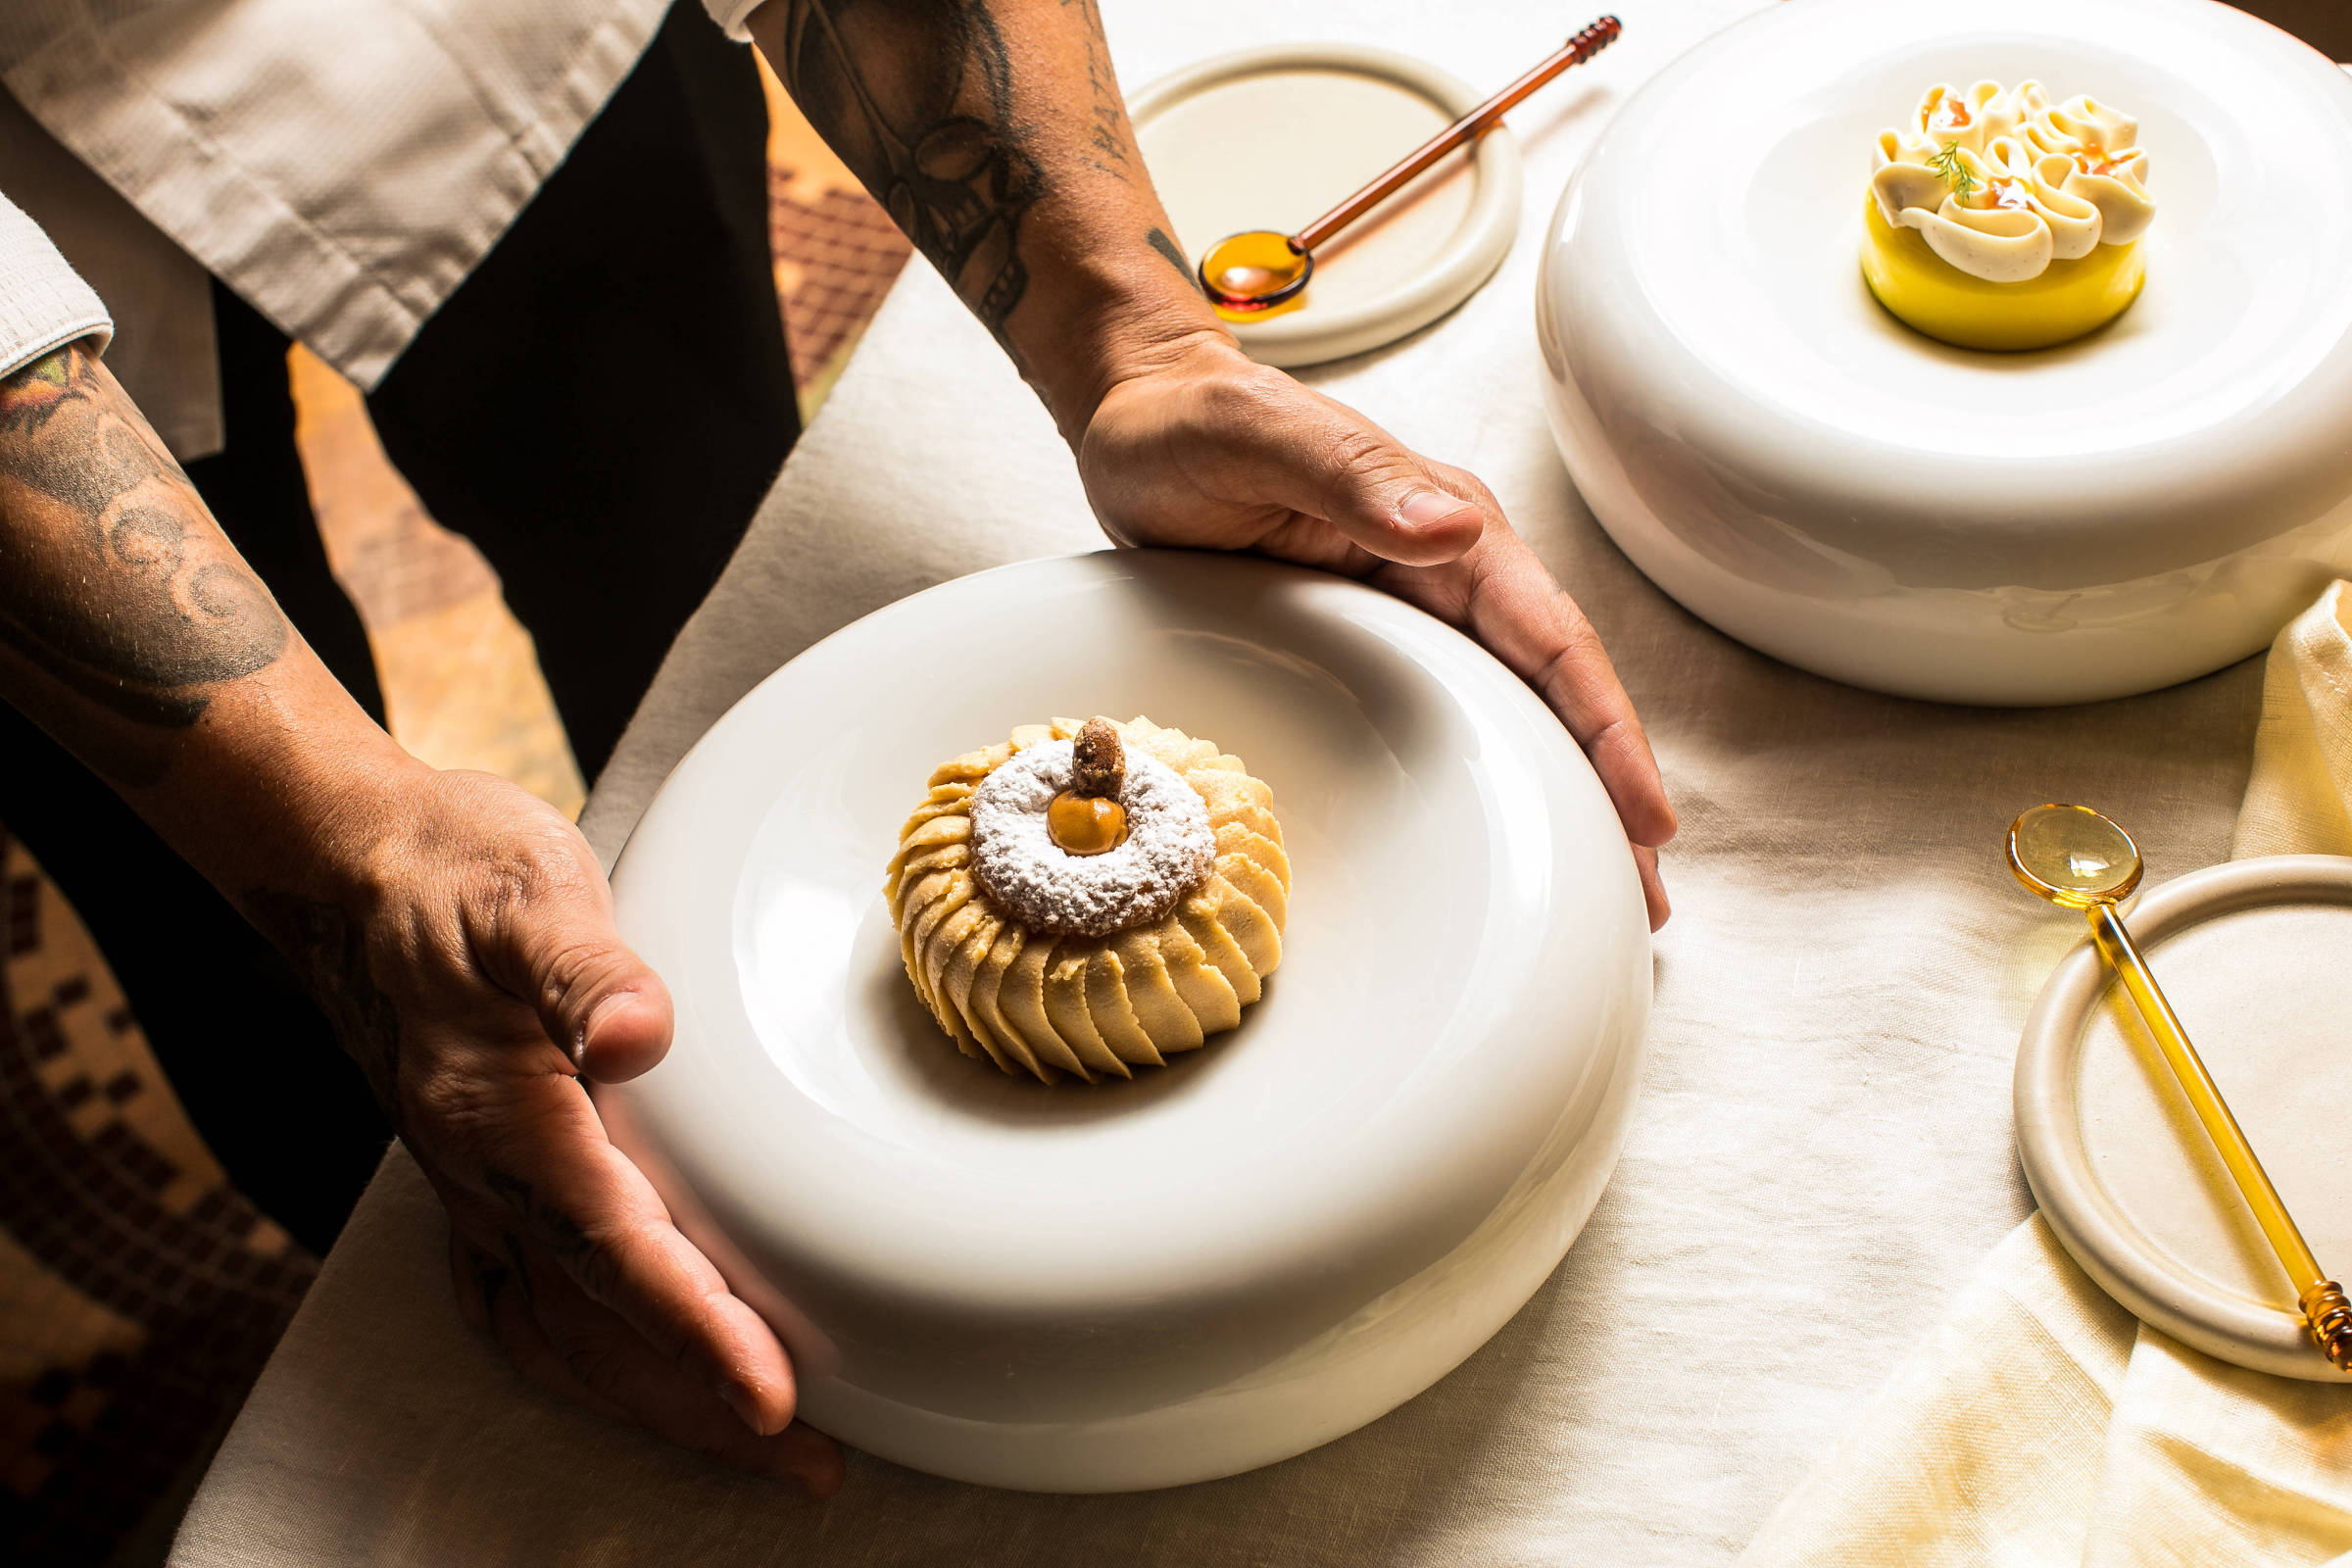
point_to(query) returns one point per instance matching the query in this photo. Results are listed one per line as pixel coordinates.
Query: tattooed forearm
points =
(994, 133)
(916, 96)
(112, 578)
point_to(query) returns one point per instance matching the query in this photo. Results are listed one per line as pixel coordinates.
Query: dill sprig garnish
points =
(1945, 161)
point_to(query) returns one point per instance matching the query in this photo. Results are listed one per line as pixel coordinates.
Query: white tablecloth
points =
(1820, 1157)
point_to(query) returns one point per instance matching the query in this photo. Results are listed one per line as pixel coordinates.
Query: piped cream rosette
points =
(1095, 965)
(2001, 183)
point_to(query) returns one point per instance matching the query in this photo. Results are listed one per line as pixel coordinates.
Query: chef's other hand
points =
(1204, 447)
(1049, 228)
(474, 971)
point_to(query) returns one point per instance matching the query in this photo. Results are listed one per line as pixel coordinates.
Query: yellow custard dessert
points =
(1998, 219)
(1086, 899)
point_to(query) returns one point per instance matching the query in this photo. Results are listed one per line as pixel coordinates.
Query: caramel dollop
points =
(1086, 824)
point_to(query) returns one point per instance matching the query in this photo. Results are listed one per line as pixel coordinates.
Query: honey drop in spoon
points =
(1250, 275)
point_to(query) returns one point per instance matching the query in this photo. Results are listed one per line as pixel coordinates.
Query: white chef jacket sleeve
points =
(44, 304)
(730, 14)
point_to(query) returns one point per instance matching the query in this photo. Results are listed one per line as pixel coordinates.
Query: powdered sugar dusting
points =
(1168, 853)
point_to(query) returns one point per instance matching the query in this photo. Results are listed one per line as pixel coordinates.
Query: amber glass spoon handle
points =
(1579, 49)
(2322, 1299)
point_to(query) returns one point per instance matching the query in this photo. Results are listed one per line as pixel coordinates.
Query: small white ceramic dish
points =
(1226, 1261)
(2133, 509)
(2251, 957)
(1273, 139)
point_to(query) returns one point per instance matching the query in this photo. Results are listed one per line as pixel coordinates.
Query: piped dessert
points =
(1082, 900)
(1998, 219)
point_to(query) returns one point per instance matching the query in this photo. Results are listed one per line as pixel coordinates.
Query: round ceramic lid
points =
(2251, 957)
(1272, 139)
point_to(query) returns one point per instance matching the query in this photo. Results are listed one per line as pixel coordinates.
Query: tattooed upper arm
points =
(916, 96)
(994, 134)
(114, 579)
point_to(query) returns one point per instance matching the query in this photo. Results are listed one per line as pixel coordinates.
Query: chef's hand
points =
(1042, 216)
(456, 931)
(474, 970)
(1204, 447)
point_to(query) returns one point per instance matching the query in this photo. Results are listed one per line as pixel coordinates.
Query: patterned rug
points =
(139, 1293)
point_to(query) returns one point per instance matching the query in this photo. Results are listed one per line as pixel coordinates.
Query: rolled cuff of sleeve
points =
(44, 305)
(731, 14)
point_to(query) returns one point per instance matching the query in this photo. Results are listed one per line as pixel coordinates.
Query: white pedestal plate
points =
(2133, 509)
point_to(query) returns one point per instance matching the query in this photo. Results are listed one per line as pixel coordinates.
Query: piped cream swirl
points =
(1045, 1001)
(2001, 183)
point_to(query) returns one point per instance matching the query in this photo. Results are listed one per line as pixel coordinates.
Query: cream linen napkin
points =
(2041, 1425)
(2299, 800)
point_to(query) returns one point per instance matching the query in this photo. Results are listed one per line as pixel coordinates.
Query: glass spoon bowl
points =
(2074, 856)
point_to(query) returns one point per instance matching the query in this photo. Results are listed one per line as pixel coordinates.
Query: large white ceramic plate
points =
(1791, 463)
(2250, 955)
(1223, 1263)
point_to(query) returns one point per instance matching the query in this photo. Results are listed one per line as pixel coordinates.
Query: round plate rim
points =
(1468, 260)
(2094, 1232)
(1381, 604)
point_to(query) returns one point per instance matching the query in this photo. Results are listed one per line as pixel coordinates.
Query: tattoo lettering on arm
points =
(916, 96)
(112, 578)
(1107, 132)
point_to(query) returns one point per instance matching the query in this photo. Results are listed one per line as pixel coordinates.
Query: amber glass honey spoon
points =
(1247, 276)
(2079, 859)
